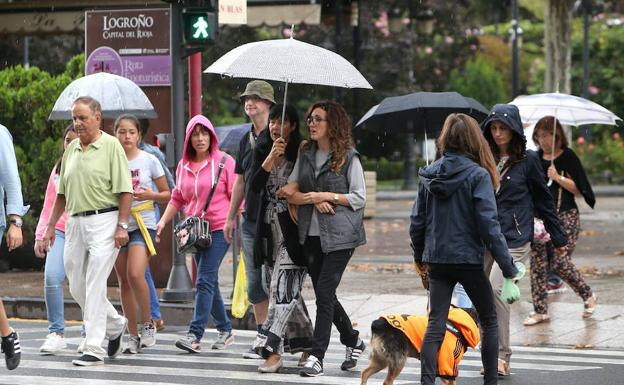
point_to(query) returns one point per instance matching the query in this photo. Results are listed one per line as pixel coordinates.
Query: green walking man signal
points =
(200, 27)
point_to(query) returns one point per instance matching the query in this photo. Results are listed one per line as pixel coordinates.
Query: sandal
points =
(503, 369)
(590, 306)
(535, 318)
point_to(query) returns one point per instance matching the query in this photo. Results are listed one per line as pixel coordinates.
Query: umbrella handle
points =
(426, 147)
(284, 109)
(552, 154)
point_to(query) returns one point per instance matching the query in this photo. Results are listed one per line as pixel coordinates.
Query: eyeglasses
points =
(314, 119)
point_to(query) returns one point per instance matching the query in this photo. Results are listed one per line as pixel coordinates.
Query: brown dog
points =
(390, 346)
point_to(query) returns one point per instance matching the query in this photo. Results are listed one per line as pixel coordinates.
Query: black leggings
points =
(326, 270)
(442, 280)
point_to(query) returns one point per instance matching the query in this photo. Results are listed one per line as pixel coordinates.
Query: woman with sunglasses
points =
(327, 184)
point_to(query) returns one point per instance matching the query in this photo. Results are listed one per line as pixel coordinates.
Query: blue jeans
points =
(460, 298)
(54, 280)
(255, 284)
(154, 304)
(208, 300)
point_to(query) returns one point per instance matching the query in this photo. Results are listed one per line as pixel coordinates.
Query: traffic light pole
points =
(195, 84)
(179, 287)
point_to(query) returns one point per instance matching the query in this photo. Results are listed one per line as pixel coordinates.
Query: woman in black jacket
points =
(275, 244)
(521, 195)
(453, 219)
(568, 178)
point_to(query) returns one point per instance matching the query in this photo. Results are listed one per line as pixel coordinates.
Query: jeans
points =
(255, 284)
(208, 300)
(54, 279)
(460, 298)
(154, 304)
(326, 270)
(442, 280)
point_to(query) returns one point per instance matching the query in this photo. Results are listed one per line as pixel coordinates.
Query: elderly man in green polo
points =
(95, 189)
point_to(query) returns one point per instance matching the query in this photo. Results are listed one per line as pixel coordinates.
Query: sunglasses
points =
(314, 119)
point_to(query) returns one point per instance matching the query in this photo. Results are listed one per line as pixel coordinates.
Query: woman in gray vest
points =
(327, 185)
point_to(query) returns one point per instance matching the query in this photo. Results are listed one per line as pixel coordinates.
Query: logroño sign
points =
(132, 43)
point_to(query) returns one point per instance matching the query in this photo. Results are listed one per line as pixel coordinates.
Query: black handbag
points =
(193, 233)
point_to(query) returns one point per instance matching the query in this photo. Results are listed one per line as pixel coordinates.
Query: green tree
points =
(481, 81)
(27, 96)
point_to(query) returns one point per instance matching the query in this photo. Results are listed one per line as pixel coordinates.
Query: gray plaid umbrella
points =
(116, 94)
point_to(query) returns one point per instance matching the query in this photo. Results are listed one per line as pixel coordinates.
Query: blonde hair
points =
(462, 134)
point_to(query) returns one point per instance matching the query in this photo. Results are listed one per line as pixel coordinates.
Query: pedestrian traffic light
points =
(200, 26)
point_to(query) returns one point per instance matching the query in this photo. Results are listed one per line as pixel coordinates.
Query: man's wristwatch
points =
(336, 199)
(123, 225)
(17, 222)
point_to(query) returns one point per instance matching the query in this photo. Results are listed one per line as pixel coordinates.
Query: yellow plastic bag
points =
(240, 301)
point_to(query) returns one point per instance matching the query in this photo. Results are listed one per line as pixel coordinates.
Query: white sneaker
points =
(53, 344)
(148, 335)
(134, 345)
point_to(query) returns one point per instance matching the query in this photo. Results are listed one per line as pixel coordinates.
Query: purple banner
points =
(152, 70)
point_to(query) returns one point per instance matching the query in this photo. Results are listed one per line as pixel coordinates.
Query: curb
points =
(174, 314)
(393, 195)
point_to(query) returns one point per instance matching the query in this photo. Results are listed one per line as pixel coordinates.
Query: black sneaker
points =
(88, 360)
(12, 351)
(312, 368)
(114, 343)
(352, 355)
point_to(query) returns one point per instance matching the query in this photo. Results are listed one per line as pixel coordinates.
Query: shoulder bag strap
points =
(214, 185)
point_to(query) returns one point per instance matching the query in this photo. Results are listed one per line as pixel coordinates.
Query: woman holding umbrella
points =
(275, 244)
(564, 168)
(327, 183)
(521, 194)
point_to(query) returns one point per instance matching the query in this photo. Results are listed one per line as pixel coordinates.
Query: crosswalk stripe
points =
(200, 373)
(228, 365)
(413, 366)
(558, 358)
(46, 380)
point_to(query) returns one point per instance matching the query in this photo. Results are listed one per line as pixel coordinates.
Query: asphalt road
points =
(164, 364)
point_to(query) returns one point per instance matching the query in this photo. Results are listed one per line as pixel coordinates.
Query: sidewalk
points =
(380, 280)
(600, 191)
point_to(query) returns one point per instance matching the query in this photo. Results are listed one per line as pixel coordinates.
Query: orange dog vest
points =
(461, 330)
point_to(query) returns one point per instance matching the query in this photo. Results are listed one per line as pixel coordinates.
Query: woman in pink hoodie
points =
(54, 275)
(197, 174)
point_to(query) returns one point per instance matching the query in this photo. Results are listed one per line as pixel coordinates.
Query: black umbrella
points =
(421, 112)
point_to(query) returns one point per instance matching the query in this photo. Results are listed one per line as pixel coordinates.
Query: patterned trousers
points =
(288, 326)
(561, 264)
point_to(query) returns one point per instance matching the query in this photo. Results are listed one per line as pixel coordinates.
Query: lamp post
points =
(514, 48)
(424, 26)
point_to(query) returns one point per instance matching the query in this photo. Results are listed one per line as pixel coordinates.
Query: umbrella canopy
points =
(423, 111)
(230, 136)
(568, 109)
(116, 94)
(289, 61)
